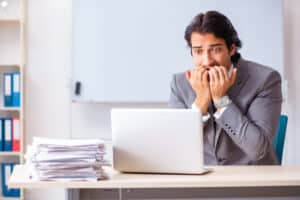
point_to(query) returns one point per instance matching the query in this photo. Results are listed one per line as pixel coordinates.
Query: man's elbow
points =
(261, 149)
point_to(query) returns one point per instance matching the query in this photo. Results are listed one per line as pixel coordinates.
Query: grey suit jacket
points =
(244, 133)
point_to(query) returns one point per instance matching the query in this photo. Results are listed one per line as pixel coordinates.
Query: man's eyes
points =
(198, 51)
(212, 50)
(216, 49)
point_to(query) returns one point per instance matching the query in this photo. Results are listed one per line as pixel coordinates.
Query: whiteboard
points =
(127, 50)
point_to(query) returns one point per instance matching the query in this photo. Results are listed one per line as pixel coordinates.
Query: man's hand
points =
(199, 81)
(220, 82)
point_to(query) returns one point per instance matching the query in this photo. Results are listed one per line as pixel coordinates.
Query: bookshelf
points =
(12, 59)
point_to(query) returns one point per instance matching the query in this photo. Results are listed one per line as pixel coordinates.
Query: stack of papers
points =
(66, 159)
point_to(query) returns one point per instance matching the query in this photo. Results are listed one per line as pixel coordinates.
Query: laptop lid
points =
(157, 140)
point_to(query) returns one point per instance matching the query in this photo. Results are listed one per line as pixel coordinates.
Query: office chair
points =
(278, 141)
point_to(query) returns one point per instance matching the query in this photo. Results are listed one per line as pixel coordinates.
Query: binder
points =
(7, 84)
(7, 134)
(6, 170)
(1, 135)
(16, 134)
(16, 89)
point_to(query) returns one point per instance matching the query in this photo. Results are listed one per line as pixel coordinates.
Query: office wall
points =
(109, 37)
(47, 102)
(292, 74)
(49, 111)
(93, 120)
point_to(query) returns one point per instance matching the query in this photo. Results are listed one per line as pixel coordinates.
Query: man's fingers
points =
(201, 72)
(211, 76)
(220, 74)
(193, 74)
(215, 75)
(198, 74)
(225, 74)
(205, 77)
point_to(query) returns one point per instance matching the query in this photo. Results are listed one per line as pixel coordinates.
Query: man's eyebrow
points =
(216, 44)
(211, 45)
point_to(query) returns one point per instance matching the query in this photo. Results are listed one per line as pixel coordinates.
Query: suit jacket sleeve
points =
(175, 100)
(254, 131)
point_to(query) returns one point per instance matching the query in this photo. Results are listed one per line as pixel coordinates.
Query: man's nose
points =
(208, 60)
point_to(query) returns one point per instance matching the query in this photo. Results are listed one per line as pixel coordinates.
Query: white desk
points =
(274, 180)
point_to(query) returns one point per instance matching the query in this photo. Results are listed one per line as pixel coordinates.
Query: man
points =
(240, 100)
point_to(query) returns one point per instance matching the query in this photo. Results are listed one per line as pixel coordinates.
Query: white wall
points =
(48, 69)
(292, 72)
(49, 111)
(93, 120)
(98, 54)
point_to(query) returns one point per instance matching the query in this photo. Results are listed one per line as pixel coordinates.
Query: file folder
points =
(7, 134)
(16, 89)
(16, 134)
(1, 135)
(7, 88)
(6, 170)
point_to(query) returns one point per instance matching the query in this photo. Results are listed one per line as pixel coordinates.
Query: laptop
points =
(157, 141)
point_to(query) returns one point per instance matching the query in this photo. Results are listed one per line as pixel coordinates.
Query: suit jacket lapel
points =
(242, 76)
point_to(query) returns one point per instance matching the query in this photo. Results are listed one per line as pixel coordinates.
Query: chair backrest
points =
(278, 142)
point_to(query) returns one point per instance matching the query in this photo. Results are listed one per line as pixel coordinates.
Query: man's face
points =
(207, 50)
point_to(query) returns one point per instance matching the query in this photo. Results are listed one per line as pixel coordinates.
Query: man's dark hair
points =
(218, 24)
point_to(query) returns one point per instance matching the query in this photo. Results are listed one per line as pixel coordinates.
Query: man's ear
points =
(232, 50)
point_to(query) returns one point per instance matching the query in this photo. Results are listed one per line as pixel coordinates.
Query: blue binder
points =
(1, 135)
(7, 134)
(7, 89)
(16, 89)
(6, 170)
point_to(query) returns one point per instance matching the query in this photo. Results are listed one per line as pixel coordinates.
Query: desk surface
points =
(221, 176)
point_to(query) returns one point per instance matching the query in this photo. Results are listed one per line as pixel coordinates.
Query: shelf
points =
(12, 59)
(10, 68)
(3, 153)
(2, 65)
(10, 20)
(14, 157)
(9, 198)
(13, 109)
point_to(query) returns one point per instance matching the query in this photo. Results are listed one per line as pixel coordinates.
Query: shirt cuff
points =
(205, 118)
(217, 114)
